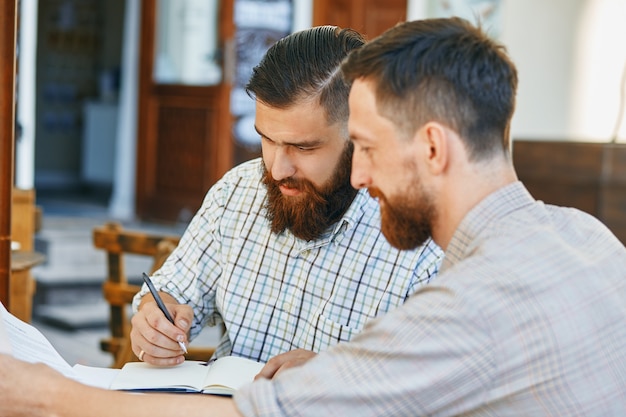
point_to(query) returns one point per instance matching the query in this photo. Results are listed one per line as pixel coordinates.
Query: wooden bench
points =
(119, 293)
(590, 176)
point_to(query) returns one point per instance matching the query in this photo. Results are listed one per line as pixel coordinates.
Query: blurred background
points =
(129, 110)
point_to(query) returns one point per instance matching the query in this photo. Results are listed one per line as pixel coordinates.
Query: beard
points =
(311, 213)
(406, 219)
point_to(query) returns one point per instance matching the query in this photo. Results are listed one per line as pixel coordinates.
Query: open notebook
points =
(222, 376)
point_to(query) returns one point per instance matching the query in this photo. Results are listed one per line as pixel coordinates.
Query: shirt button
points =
(286, 306)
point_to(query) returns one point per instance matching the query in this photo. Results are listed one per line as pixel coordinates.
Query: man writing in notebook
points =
(284, 251)
(526, 317)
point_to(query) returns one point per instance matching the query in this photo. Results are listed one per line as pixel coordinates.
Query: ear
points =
(435, 141)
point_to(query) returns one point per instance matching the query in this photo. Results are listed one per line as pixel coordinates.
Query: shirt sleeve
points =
(429, 356)
(191, 272)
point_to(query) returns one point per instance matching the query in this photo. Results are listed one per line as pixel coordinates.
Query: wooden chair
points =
(119, 293)
(25, 222)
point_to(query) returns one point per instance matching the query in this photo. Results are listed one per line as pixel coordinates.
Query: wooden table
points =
(22, 285)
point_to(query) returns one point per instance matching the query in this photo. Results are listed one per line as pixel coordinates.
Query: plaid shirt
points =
(275, 292)
(527, 317)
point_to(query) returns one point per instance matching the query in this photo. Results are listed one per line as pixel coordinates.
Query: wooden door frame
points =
(361, 15)
(8, 38)
(220, 153)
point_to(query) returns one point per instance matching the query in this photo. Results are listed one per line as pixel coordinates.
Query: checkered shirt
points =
(527, 317)
(275, 292)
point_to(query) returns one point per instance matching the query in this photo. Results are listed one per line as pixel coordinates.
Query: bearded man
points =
(284, 251)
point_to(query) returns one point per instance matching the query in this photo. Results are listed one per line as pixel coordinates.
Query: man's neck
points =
(464, 190)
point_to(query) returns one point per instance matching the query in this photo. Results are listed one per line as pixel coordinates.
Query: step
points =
(69, 284)
(74, 316)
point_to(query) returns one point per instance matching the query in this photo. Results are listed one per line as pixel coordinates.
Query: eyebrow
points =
(358, 138)
(305, 144)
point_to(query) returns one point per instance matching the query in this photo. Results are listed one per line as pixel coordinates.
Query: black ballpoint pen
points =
(161, 305)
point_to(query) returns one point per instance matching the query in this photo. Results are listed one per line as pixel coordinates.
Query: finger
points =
(151, 341)
(284, 361)
(182, 315)
(159, 361)
(269, 369)
(289, 364)
(153, 354)
(161, 332)
(156, 348)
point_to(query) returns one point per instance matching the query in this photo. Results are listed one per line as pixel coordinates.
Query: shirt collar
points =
(351, 217)
(495, 206)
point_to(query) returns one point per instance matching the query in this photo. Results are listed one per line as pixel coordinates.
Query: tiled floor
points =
(77, 346)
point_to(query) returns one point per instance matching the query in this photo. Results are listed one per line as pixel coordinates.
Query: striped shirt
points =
(527, 317)
(275, 292)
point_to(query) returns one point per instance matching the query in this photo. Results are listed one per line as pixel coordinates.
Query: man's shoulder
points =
(245, 176)
(241, 185)
(249, 170)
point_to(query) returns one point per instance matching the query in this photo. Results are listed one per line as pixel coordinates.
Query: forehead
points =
(303, 122)
(363, 111)
(362, 96)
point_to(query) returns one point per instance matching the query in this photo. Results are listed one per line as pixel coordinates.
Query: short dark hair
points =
(304, 65)
(444, 70)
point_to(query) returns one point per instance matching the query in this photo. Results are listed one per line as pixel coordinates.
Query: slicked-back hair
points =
(443, 70)
(306, 65)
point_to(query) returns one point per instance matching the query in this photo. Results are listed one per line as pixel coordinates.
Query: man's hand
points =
(24, 387)
(36, 390)
(154, 339)
(279, 363)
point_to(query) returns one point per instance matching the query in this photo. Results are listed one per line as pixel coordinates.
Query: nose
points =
(359, 176)
(282, 165)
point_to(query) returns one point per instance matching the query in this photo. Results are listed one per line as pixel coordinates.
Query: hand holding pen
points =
(159, 301)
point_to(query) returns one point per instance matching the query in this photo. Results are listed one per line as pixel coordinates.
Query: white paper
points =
(5, 344)
(28, 344)
(233, 372)
(96, 377)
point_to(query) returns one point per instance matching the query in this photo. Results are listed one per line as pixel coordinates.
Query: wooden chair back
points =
(119, 293)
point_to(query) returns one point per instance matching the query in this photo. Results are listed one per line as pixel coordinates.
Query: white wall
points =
(302, 14)
(25, 146)
(122, 203)
(540, 36)
(570, 55)
(598, 67)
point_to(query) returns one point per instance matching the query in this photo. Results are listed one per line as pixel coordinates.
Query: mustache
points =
(375, 193)
(288, 182)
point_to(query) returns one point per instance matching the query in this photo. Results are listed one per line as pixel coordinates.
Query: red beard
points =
(310, 214)
(406, 219)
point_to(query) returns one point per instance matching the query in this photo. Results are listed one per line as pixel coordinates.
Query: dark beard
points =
(406, 220)
(309, 215)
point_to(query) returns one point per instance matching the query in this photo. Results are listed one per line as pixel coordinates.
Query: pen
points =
(159, 302)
